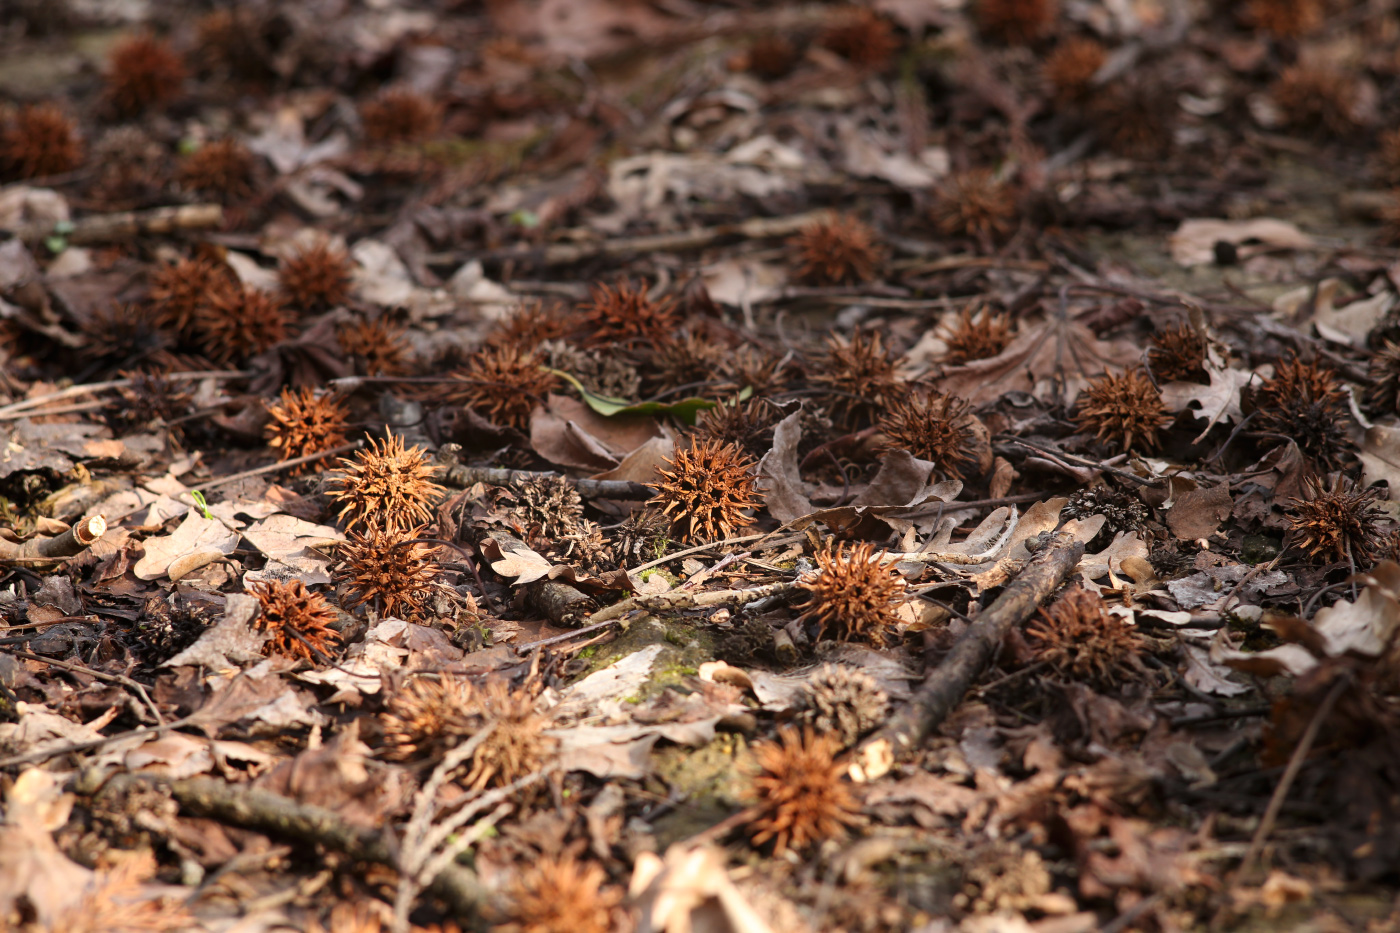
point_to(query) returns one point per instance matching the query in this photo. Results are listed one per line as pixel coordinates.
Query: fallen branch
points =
(264, 811)
(463, 476)
(16, 409)
(68, 544)
(676, 601)
(115, 228)
(945, 687)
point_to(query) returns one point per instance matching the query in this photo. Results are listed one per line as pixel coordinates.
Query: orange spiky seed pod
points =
(853, 595)
(1135, 116)
(179, 290)
(843, 702)
(1080, 638)
(531, 325)
(241, 322)
(1071, 67)
(501, 384)
(561, 895)
(378, 345)
(41, 140)
(388, 571)
(706, 491)
(624, 313)
(1384, 372)
(747, 424)
(935, 427)
(386, 486)
(1308, 404)
(859, 373)
(1285, 19)
(1340, 523)
(1317, 98)
(1178, 354)
(1017, 22)
(862, 36)
(304, 423)
(427, 716)
(975, 204)
(772, 56)
(300, 620)
(1123, 409)
(977, 337)
(400, 115)
(799, 797)
(316, 278)
(517, 746)
(222, 169)
(143, 72)
(836, 251)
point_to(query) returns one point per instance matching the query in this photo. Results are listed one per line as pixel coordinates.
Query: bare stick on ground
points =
(68, 544)
(945, 687)
(117, 228)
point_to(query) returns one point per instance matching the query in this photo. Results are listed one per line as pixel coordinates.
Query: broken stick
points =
(68, 544)
(945, 687)
(116, 228)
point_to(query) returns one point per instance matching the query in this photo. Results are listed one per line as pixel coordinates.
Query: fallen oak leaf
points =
(512, 558)
(1219, 401)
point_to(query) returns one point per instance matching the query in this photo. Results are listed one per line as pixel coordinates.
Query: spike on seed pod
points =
(1308, 404)
(143, 72)
(1178, 354)
(125, 333)
(304, 423)
(389, 571)
(935, 427)
(1070, 68)
(625, 313)
(1337, 523)
(400, 115)
(1123, 409)
(853, 595)
(862, 36)
(502, 384)
(642, 536)
(977, 336)
(179, 290)
(316, 278)
(239, 323)
(798, 795)
(386, 486)
(560, 895)
(859, 373)
(300, 620)
(41, 140)
(1285, 19)
(1080, 638)
(844, 702)
(975, 204)
(222, 169)
(1017, 22)
(706, 490)
(837, 251)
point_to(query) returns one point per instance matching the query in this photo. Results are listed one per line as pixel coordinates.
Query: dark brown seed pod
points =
(837, 251)
(843, 702)
(400, 115)
(300, 620)
(377, 345)
(853, 595)
(977, 336)
(386, 486)
(1178, 354)
(862, 36)
(798, 796)
(241, 322)
(859, 374)
(1339, 523)
(706, 491)
(975, 204)
(1017, 22)
(936, 427)
(1308, 404)
(1081, 639)
(1285, 19)
(747, 424)
(546, 507)
(502, 384)
(143, 73)
(41, 140)
(561, 895)
(222, 169)
(316, 278)
(179, 291)
(388, 571)
(304, 423)
(1070, 68)
(1123, 409)
(625, 313)
(1317, 98)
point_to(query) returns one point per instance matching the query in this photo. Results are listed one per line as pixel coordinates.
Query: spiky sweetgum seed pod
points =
(837, 251)
(316, 278)
(179, 290)
(798, 796)
(300, 620)
(400, 115)
(1317, 97)
(143, 72)
(427, 716)
(502, 384)
(862, 36)
(706, 490)
(935, 427)
(747, 424)
(1337, 524)
(1070, 69)
(625, 313)
(378, 345)
(517, 745)
(1285, 19)
(843, 702)
(1384, 372)
(978, 337)
(772, 56)
(560, 895)
(241, 322)
(531, 325)
(1017, 22)
(975, 204)
(1124, 410)
(1308, 404)
(388, 571)
(686, 361)
(1178, 354)
(860, 373)
(853, 595)
(386, 486)
(222, 169)
(1135, 117)
(304, 423)
(1080, 638)
(41, 140)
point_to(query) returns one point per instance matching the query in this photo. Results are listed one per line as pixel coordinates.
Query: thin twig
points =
(127, 682)
(663, 602)
(93, 387)
(276, 467)
(1082, 461)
